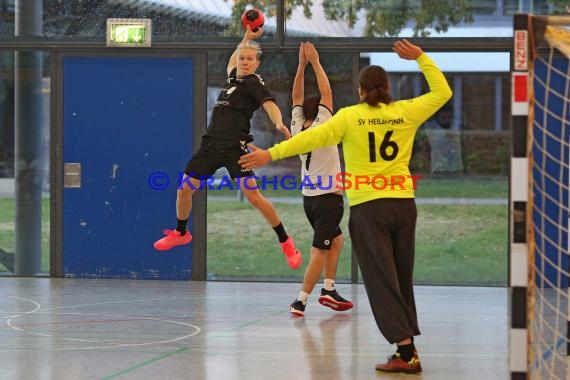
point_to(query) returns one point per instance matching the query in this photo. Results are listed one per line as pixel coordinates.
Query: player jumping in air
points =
(226, 140)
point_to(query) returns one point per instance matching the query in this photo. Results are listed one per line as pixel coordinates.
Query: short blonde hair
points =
(251, 45)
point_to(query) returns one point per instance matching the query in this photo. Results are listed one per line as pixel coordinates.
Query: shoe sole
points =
(297, 313)
(401, 372)
(294, 265)
(166, 248)
(338, 306)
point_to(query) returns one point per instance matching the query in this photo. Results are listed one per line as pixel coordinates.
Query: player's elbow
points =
(326, 93)
(448, 93)
(445, 94)
(269, 105)
(272, 111)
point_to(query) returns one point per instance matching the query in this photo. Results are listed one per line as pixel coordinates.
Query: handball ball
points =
(254, 18)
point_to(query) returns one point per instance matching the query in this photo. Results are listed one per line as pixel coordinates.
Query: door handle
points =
(71, 175)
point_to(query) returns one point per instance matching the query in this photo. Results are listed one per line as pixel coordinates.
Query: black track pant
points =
(382, 232)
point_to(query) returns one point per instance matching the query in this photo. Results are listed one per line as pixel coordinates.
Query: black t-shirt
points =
(235, 106)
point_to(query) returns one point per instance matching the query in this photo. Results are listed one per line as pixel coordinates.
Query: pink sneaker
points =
(172, 239)
(291, 253)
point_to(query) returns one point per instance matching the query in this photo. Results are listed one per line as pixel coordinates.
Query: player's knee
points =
(185, 190)
(255, 199)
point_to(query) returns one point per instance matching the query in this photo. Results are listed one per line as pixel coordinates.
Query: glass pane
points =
(175, 20)
(7, 201)
(172, 20)
(41, 125)
(462, 156)
(480, 18)
(241, 244)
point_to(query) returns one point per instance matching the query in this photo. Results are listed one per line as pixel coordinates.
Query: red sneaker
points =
(172, 239)
(291, 253)
(396, 364)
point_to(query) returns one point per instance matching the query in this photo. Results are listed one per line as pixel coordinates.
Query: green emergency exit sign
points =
(128, 32)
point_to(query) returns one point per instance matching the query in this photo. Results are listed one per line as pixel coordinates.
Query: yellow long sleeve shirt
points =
(377, 141)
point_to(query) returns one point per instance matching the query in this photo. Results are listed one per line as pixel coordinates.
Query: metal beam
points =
(29, 159)
(432, 44)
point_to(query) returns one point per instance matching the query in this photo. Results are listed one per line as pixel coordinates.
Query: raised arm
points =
(298, 94)
(322, 80)
(439, 93)
(247, 36)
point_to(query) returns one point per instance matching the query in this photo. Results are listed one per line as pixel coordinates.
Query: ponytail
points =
(374, 83)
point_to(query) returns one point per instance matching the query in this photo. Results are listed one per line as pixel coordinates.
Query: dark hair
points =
(311, 107)
(374, 83)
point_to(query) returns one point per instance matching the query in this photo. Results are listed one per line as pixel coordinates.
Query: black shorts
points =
(324, 213)
(214, 154)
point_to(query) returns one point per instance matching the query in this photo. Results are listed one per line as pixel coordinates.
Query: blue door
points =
(127, 126)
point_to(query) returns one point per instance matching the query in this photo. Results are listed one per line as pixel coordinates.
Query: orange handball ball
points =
(254, 18)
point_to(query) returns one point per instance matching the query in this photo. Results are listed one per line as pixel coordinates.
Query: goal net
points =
(548, 218)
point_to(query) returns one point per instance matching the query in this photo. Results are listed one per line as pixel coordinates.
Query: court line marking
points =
(113, 344)
(39, 310)
(134, 301)
(183, 349)
(372, 353)
(36, 308)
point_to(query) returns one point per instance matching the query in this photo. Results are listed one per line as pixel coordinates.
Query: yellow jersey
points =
(376, 141)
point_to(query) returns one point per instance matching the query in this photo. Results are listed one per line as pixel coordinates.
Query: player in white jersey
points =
(323, 202)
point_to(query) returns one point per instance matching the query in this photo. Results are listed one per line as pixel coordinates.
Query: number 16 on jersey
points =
(388, 149)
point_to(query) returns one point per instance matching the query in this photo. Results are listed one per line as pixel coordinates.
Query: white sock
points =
(329, 284)
(303, 297)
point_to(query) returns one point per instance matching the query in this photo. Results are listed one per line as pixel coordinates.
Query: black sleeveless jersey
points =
(235, 105)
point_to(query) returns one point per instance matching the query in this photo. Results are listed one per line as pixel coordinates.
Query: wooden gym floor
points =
(119, 329)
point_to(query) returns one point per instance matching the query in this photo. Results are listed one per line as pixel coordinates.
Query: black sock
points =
(281, 234)
(181, 226)
(406, 352)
